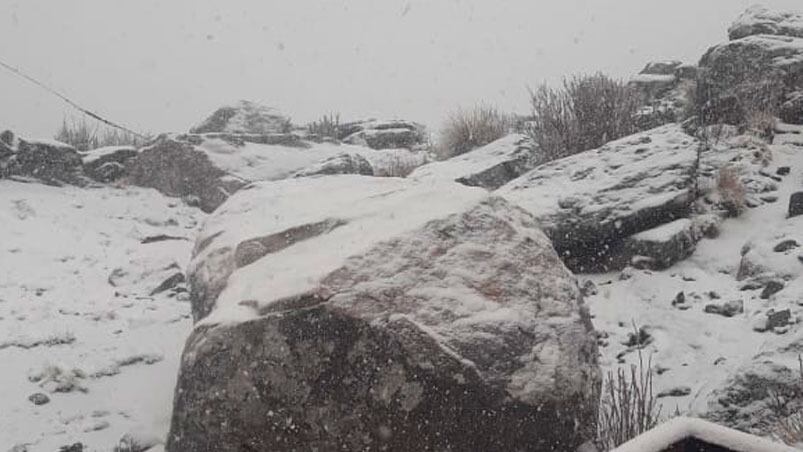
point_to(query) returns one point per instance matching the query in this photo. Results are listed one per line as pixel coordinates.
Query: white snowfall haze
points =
(428, 226)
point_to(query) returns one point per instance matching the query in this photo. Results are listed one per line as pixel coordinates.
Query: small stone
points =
(680, 298)
(771, 289)
(769, 199)
(39, 398)
(786, 245)
(713, 295)
(783, 171)
(728, 309)
(679, 391)
(588, 288)
(796, 204)
(778, 319)
(719, 360)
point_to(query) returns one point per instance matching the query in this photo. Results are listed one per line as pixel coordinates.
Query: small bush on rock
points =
(466, 130)
(731, 191)
(326, 127)
(81, 135)
(585, 113)
(627, 407)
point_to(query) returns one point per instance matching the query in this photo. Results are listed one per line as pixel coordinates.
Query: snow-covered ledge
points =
(675, 431)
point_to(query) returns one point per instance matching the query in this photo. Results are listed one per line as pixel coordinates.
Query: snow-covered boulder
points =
(757, 69)
(587, 203)
(387, 134)
(339, 164)
(759, 20)
(345, 312)
(489, 166)
(244, 117)
(660, 247)
(108, 164)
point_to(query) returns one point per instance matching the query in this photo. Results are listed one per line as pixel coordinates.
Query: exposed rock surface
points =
(589, 202)
(747, 73)
(759, 20)
(50, 161)
(244, 117)
(347, 312)
(340, 164)
(489, 166)
(660, 247)
(109, 163)
(796, 204)
(390, 134)
(664, 88)
(791, 110)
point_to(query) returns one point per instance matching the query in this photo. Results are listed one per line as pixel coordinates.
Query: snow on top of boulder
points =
(653, 78)
(759, 19)
(665, 232)
(48, 142)
(780, 50)
(255, 162)
(606, 184)
(243, 117)
(336, 217)
(96, 154)
(675, 430)
(507, 149)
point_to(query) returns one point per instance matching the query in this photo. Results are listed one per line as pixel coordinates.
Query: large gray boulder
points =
(589, 202)
(177, 168)
(760, 20)
(359, 313)
(489, 166)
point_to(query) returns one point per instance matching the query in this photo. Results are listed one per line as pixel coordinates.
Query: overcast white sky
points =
(161, 65)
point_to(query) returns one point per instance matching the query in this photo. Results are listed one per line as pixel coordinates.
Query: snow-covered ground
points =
(78, 322)
(695, 352)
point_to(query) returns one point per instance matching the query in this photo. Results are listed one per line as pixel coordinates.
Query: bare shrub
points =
(760, 123)
(627, 407)
(328, 126)
(586, 112)
(466, 130)
(731, 191)
(84, 136)
(398, 165)
(790, 428)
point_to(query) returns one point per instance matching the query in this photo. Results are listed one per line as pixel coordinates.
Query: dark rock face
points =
(177, 169)
(747, 73)
(728, 309)
(51, 162)
(394, 134)
(340, 164)
(771, 289)
(379, 356)
(796, 204)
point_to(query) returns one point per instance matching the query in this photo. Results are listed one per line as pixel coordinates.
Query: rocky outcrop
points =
(791, 111)
(339, 164)
(489, 166)
(244, 117)
(752, 72)
(347, 312)
(391, 134)
(759, 20)
(589, 202)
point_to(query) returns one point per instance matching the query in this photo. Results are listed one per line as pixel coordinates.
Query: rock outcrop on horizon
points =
(428, 316)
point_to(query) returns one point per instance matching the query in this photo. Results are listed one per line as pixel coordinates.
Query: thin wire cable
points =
(67, 100)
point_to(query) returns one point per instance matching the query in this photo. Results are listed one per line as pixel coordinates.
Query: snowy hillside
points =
(89, 349)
